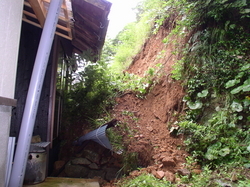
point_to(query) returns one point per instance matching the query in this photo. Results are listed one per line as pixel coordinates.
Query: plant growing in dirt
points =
(215, 71)
(139, 85)
(150, 16)
(88, 97)
(144, 180)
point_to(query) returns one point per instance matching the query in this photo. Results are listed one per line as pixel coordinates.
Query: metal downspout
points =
(33, 97)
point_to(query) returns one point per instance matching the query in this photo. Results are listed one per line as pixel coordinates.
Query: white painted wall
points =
(10, 28)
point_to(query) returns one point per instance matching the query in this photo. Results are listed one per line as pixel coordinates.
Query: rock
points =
(156, 156)
(76, 171)
(80, 161)
(93, 166)
(134, 173)
(150, 129)
(59, 164)
(234, 177)
(91, 155)
(96, 173)
(111, 173)
(159, 174)
(170, 176)
(196, 171)
(151, 169)
(184, 172)
(104, 160)
(163, 150)
(195, 165)
(118, 164)
(168, 161)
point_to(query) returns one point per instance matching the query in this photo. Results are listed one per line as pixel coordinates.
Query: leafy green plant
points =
(219, 140)
(145, 180)
(214, 67)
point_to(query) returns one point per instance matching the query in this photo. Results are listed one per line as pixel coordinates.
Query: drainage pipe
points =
(33, 97)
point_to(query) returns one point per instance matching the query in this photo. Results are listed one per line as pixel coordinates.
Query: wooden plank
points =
(7, 101)
(27, 4)
(29, 14)
(39, 10)
(66, 182)
(67, 18)
(57, 33)
(31, 22)
(63, 35)
(63, 28)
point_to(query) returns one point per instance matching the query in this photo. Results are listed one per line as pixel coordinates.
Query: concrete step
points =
(66, 182)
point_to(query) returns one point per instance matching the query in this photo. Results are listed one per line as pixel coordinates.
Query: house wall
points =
(29, 41)
(11, 14)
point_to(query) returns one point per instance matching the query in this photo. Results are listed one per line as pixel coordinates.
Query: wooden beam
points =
(38, 25)
(27, 4)
(63, 35)
(7, 101)
(39, 10)
(67, 18)
(40, 15)
(29, 14)
(31, 22)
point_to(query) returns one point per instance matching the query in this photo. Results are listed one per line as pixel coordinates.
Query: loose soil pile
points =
(145, 123)
(149, 119)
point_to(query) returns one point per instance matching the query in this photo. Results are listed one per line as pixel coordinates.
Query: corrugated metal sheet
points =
(98, 135)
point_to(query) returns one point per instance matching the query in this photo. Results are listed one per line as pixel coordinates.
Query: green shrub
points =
(145, 180)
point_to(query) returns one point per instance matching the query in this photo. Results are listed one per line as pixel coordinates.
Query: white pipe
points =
(33, 97)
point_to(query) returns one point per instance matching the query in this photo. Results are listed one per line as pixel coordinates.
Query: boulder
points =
(93, 166)
(159, 174)
(168, 161)
(111, 173)
(96, 173)
(184, 172)
(59, 164)
(170, 176)
(76, 171)
(80, 161)
(91, 155)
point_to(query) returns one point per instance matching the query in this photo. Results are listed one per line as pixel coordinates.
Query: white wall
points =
(10, 28)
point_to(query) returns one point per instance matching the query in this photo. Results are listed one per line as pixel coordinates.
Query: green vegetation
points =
(145, 180)
(215, 71)
(214, 67)
(130, 40)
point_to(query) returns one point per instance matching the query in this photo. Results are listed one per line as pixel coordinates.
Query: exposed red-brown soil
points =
(145, 123)
(149, 119)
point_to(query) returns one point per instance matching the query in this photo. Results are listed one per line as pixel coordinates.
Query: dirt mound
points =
(149, 120)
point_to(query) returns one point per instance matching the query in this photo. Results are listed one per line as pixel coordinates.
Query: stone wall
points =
(91, 162)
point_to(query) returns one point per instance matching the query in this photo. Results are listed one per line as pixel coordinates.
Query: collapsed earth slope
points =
(150, 119)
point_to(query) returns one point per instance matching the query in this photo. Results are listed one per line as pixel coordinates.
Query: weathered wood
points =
(66, 182)
(39, 15)
(7, 101)
(87, 17)
(39, 10)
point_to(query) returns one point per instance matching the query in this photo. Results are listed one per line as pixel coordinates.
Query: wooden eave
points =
(84, 22)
